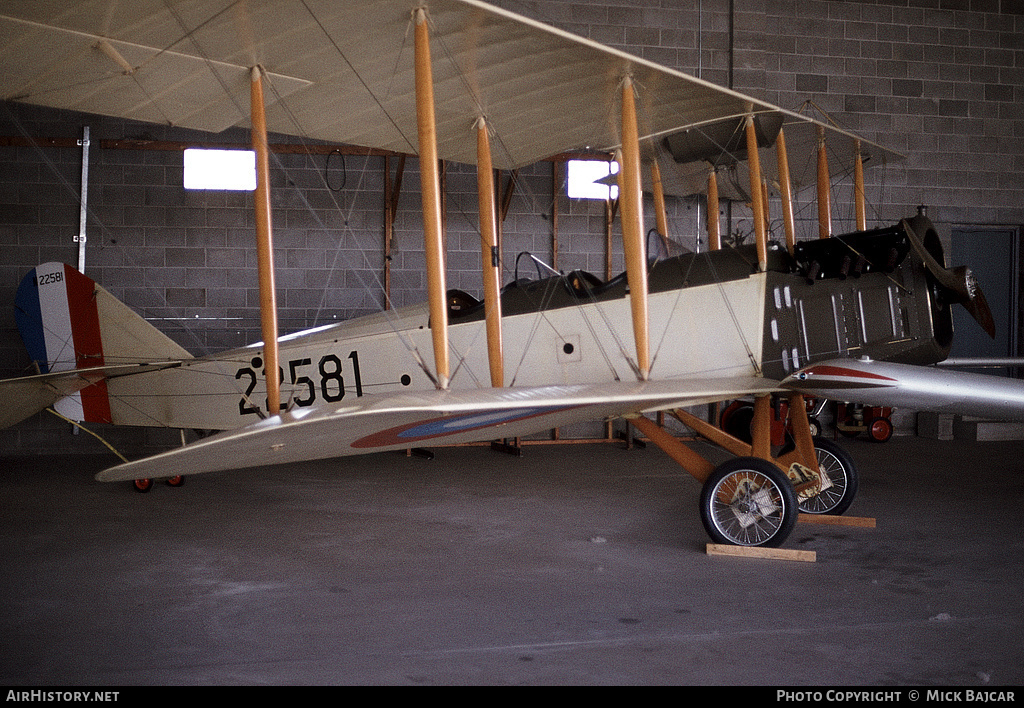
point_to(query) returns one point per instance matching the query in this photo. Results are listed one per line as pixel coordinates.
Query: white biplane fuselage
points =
(578, 343)
(712, 315)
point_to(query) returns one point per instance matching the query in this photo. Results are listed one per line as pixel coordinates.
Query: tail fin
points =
(69, 322)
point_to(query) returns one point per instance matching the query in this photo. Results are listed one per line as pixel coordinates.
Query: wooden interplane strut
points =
(786, 192)
(824, 195)
(491, 255)
(858, 188)
(632, 228)
(757, 196)
(264, 244)
(433, 237)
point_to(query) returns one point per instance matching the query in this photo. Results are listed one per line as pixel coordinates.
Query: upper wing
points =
(687, 156)
(343, 72)
(401, 421)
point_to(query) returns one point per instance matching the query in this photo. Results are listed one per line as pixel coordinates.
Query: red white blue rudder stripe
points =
(57, 316)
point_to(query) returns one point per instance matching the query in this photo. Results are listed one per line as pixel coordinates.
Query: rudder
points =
(67, 321)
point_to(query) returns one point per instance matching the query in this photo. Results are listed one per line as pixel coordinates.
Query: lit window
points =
(220, 169)
(583, 176)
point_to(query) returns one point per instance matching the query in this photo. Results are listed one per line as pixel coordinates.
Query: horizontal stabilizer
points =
(27, 395)
(73, 328)
(406, 420)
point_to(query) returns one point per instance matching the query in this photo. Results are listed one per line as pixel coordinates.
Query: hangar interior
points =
(938, 81)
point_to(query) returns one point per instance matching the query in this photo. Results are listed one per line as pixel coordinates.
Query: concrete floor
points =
(575, 564)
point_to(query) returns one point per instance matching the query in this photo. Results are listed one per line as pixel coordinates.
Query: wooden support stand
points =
(716, 549)
(829, 520)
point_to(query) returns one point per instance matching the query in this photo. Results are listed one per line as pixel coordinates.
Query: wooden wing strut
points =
(824, 196)
(491, 255)
(265, 245)
(430, 181)
(632, 228)
(757, 195)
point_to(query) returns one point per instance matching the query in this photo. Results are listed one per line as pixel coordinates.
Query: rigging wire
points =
(352, 205)
(108, 238)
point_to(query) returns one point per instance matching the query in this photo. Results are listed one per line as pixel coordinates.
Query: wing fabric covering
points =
(408, 420)
(343, 72)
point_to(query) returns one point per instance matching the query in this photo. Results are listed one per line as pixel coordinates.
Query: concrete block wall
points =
(938, 80)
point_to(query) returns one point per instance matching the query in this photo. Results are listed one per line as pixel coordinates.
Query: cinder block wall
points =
(940, 81)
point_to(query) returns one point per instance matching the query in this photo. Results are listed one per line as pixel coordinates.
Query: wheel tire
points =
(836, 463)
(748, 501)
(880, 429)
(142, 485)
(176, 481)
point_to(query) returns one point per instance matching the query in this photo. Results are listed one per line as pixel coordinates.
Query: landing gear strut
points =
(755, 499)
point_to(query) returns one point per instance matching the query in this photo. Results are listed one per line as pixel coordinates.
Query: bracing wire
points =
(343, 257)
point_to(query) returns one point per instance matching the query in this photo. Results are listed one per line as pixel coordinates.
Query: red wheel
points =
(176, 481)
(880, 429)
(142, 485)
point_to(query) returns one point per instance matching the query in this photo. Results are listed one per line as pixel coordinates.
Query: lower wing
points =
(918, 388)
(398, 422)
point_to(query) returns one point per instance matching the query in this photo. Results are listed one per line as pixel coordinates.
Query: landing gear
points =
(755, 498)
(748, 501)
(814, 426)
(838, 483)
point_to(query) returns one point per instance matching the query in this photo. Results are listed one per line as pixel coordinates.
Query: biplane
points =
(849, 316)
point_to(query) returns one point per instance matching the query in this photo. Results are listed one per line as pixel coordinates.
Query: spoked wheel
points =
(839, 481)
(748, 501)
